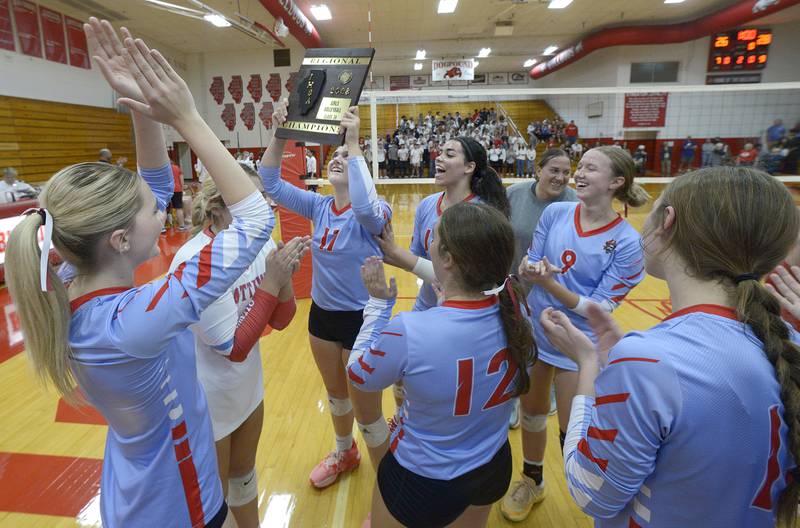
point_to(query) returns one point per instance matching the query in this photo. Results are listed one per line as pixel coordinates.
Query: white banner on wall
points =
(453, 70)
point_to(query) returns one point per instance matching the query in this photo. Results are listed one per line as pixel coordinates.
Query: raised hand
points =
(108, 52)
(567, 338)
(785, 286)
(280, 112)
(351, 123)
(375, 279)
(166, 97)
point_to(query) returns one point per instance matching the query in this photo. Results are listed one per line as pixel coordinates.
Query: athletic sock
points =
(343, 443)
(534, 470)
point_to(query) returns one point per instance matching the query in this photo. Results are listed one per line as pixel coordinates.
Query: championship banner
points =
(217, 89)
(55, 47)
(274, 86)
(78, 48)
(329, 82)
(236, 88)
(27, 22)
(645, 110)
(6, 28)
(453, 70)
(254, 87)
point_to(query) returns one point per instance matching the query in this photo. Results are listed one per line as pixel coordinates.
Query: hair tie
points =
(47, 220)
(745, 277)
(497, 290)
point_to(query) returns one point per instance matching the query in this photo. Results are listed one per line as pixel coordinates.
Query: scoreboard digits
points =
(742, 49)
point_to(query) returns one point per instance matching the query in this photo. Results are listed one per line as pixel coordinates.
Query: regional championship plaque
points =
(329, 82)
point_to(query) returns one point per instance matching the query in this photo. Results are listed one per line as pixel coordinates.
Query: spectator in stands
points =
(532, 134)
(12, 190)
(311, 165)
(718, 155)
(415, 156)
(530, 157)
(687, 154)
(393, 159)
(792, 154)
(775, 133)
(640, 159)
(748, 155)
(666, 159)
(381, 158)
(177, 197)
(706, 151)
(402, 157)
(105, 156)
(511, 160)
(571, 133)
(520, 150)
(576, 150)
(494, 159)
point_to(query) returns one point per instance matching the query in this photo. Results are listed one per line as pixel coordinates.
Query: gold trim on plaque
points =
(320, 128)
(332, 108)
(333, 61)
(345, 77)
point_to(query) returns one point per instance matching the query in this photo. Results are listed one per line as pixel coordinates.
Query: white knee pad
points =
(242, 490)
(399, 391)
(534, 424)
(375, 433)
(339, 406)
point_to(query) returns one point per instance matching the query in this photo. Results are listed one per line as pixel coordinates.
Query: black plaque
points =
(330, 82)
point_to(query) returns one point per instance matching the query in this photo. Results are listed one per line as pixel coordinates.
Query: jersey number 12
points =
(466, 375)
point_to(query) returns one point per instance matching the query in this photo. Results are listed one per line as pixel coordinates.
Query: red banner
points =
(78, 49)
(236, 88)
(254, 87)
(298, 23)
(292, 224)
(248, 115)
(399, 82)
(266, 114)
(217, 89)
(27, 21)
(274, 86)
(645, 110)
(6, 28)
(55, 47)
(229, 116)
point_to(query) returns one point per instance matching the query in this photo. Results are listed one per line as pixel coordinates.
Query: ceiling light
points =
(321, 12)
(217, 20)
(528, 63)
(447, 6)
(420, 55)
(549, 50)
(484, 52)
(475, 64)
(559, 4)
(417, 66)
(673, 1)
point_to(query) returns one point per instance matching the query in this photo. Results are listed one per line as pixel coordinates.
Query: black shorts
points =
(177, 200)
(423, 502)
(339, 327)
(219, 519)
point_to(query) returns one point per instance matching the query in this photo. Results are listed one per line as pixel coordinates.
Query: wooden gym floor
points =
(50, 454)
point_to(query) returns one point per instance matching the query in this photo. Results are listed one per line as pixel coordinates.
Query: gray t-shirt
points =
(526, 209)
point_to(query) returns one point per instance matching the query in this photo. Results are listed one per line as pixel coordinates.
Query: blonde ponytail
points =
(44, 316)
(636, 196)
(208, 200)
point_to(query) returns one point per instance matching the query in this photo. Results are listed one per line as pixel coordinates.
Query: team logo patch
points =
(610, 246)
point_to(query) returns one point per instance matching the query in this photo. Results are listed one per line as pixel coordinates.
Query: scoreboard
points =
(740, 49)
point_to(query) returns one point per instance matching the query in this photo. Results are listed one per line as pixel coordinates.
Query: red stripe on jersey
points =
(83, 299)
(441, 199)
(191, 490)
(363, 364)
(713, 309)
(377, 352)
(472, 305)
(609, 435)
(426, 242)
(178, 273)
(619, 286)
(179, 431)
(646, 360)
(204, 265)
(182, 450)
(582, 233)
(355, 377)
(763, 499)
(159, 294)
(635, 274)
(583, 447)
(338, 212)
(611, 398)
(632, 523)
(400, 434)
(392, 333)
(619, 298)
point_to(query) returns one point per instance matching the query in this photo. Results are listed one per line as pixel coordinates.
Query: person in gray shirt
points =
(528, 200)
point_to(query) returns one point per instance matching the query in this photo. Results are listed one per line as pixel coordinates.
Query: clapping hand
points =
(374, 278)
(786, 288)
(537, 272)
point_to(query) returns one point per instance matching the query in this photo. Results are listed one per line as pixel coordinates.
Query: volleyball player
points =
(128, 348)
(227, 345)
(581, 253)
(696, 419)
(460, 362)
(344, 226)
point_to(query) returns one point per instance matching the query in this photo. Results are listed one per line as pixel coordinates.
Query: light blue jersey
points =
(342, 240)
(686, 429)
(428, 212)
(602, 265)
(133, 357)
(458, 382)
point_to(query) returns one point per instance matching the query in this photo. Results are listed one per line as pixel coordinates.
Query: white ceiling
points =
(399, 28)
